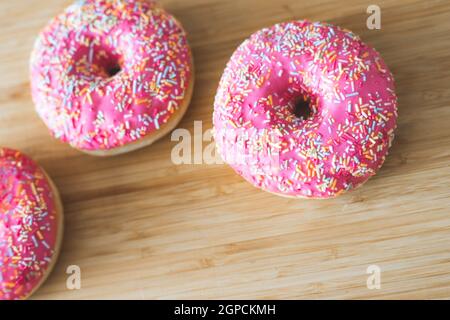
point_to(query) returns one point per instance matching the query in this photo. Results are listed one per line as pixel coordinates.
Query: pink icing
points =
(28, 225)
(72, 65)
(353, 103)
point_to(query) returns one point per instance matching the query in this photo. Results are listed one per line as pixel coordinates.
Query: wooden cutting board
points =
(139, 226)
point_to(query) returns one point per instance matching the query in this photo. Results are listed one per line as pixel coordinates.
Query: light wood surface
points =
(141, 227)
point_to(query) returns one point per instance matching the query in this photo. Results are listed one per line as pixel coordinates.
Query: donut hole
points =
(114, 69)
(110, 62)
(302, 108)
(97, 60)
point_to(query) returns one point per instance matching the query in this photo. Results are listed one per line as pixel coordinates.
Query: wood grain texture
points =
(142, 227)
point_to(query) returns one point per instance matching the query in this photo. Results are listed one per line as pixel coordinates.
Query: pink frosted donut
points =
(111, 76)
(353, 110)
(30, 225)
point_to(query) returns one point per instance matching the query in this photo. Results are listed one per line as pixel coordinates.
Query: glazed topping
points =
(352, 101)
(28, 225)
(108, 72)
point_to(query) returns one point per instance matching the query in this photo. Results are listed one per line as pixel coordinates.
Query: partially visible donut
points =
(111, 76)
(31, 225)
(351, 95)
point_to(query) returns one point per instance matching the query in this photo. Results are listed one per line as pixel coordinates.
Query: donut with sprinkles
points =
(352, 102)
(111, 76)
(31, 225)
